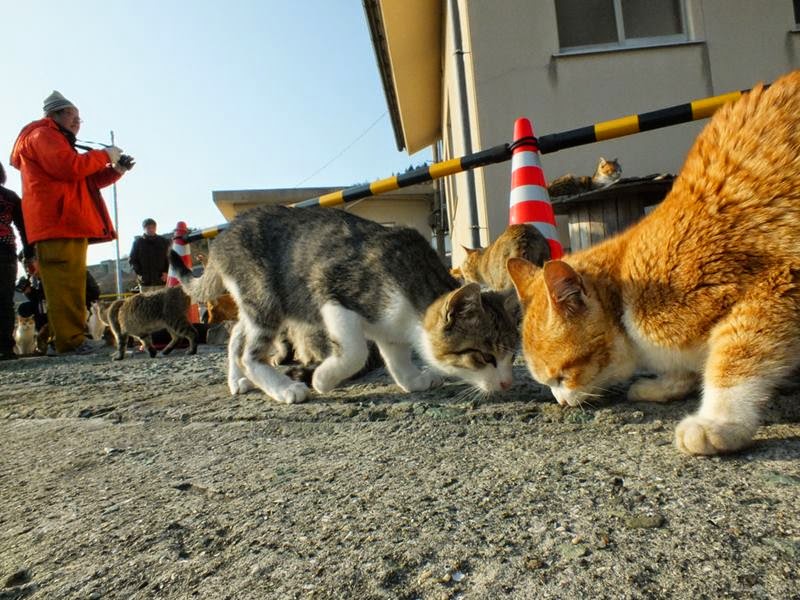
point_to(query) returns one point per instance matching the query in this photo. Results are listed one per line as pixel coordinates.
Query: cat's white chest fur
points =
(660, 359)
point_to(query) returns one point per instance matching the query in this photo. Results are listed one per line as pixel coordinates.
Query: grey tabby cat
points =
(143, 314)
(319, 267)
(607, 172)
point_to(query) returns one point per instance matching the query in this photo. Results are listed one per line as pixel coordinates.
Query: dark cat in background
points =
(315, 268)
(143, 314)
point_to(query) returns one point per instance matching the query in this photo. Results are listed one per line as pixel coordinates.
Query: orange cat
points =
(487, 266)
(704, 289)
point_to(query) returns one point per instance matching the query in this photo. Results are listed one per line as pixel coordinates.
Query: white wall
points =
(514, 69)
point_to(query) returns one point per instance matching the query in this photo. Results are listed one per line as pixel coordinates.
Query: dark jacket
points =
(149, 258)
(11, 212)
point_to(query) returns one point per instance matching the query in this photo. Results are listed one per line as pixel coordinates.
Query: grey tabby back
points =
(307, 269)
(143, 314)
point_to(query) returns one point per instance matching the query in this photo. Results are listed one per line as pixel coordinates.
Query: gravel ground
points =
(145, 479)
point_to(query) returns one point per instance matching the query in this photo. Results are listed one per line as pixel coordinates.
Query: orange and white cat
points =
(705, 289)
(25, 336)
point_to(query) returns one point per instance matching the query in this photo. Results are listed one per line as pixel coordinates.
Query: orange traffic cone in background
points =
(529, 200)
(183, 250)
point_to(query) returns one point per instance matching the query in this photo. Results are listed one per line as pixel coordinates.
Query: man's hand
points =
(113, 154)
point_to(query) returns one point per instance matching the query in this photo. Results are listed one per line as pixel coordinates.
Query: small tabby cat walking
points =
(607, 172)
(143, 314)
(706, 286)
(487, 266)
(315, 268)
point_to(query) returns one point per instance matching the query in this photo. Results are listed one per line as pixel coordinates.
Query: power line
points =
(350, 145)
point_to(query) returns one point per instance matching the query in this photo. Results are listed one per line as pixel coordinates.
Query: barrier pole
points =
(604, 130)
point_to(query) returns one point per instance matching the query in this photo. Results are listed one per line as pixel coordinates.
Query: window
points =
(797, 12)
(609, 24)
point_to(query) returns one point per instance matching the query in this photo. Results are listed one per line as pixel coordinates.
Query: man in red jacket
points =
(64, 212)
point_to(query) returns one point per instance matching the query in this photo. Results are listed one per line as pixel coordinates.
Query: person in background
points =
(149, 257)
(30, 285)
(64, 212)
(10, 212)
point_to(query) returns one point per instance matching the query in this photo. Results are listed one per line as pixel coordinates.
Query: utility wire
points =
(350, 145)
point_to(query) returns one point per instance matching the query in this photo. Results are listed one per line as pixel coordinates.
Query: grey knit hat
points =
(56, 101)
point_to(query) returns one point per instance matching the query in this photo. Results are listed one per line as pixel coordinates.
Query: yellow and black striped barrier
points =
(606, 130)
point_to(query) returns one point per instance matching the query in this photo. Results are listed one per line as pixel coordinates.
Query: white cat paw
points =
(424, 381)
(660, 389)
(697, 435)
(648, 390)
(322, 382)
(293, 394)
(240, 385)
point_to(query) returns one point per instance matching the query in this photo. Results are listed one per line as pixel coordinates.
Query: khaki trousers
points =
(62, 266)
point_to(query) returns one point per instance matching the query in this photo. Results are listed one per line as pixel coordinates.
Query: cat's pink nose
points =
(505, 385)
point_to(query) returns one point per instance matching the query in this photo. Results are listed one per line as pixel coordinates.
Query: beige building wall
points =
(514, 68)
(408, 207)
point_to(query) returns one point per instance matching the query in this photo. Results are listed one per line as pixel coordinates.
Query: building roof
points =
(231, 202)
(407, 38)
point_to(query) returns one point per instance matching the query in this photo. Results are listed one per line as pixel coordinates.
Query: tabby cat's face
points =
(569, 341)
(473, 336)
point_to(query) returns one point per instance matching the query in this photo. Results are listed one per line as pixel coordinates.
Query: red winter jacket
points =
(60, 187)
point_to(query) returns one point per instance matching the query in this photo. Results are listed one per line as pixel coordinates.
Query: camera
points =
(126, 162)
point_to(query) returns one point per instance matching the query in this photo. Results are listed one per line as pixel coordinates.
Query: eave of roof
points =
(407, 38)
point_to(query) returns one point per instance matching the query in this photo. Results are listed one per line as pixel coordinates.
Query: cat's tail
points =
(206, 288)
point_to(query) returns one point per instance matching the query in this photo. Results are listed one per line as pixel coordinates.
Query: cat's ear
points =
(603, 160)
(512, 306)
(463, 302)
(468, 250)
(565, 288)
(521, 272)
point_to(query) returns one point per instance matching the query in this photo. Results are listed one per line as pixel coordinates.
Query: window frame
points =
(625, 43)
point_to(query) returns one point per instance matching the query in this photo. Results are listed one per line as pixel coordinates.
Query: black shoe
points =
(8, 355)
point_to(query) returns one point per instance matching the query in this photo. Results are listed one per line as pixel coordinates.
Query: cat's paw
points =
(294, 393)
(649, 390)
(322, 382)
(661, 389)
(424, 381)
(279, 354)
(239, 385)
(697, 435)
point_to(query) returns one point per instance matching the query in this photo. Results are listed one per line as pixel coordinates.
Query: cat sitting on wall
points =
(705, 289)
(607, 172)
(321, 268)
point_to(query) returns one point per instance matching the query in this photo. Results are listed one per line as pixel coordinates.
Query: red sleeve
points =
(59, 160)
(106, 177)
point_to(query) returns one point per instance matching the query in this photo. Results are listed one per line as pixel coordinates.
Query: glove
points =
(113, 154)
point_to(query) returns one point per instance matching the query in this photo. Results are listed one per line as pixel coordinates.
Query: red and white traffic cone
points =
(182, 249)
(529, 200)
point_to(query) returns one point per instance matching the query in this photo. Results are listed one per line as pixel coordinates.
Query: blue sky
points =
(205, 95)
